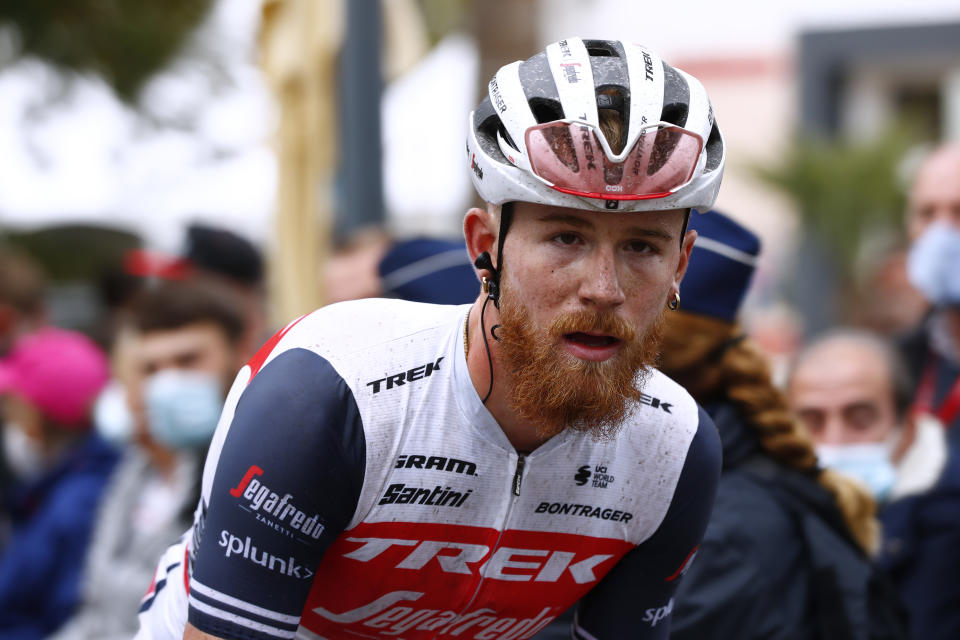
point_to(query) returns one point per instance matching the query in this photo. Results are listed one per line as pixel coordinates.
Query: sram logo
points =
(504, 563)
(439, 463)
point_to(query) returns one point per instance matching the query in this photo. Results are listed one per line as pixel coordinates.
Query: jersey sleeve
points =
(287, 481)
(635, 599)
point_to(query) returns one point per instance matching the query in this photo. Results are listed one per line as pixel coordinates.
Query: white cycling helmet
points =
(537, 137)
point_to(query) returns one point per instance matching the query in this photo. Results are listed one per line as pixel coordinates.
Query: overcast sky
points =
(695, 28)
(92, 158)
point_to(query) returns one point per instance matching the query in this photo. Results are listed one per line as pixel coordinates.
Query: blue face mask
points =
(933, 264)
(868, 462)
(183, 407)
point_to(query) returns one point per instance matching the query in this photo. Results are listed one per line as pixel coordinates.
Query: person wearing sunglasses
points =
(392, 469)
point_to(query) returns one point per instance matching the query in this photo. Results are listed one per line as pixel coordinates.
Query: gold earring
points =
(674, 304)
(485, 284)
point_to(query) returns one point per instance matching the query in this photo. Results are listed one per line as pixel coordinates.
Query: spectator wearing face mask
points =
(924, 532)
(850, 389)
(189, 342)
(933, 267)
(785, 555)
(852, 392)
(49, 381)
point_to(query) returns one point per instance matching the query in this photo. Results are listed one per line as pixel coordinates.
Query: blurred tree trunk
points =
(506, 30)
(300, 40)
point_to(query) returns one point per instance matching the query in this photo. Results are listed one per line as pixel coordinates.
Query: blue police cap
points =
(429, 270)
(721, 266)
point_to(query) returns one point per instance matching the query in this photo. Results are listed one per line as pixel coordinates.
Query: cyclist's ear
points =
(479, 231)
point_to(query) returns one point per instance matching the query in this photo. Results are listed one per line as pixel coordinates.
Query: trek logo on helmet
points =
(648, 66)
(539, 138)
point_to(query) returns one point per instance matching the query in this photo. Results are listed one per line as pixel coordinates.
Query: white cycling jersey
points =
(357, 487)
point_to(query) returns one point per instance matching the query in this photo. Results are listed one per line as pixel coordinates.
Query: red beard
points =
(554, 390)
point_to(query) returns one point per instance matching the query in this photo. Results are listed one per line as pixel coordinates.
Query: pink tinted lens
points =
(569, 157)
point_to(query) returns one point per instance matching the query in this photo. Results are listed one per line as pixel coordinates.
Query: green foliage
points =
(73, 252)
(844, 191)
(443, 16)
(125, 41)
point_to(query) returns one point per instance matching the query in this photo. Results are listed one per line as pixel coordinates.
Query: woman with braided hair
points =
(786, 553)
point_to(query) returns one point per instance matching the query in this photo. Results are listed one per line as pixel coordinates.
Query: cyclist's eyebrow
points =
(651, 233)
(566, 218)
(584, 223)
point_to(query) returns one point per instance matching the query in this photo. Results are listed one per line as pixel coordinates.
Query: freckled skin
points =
(590, 260)
(559, 260)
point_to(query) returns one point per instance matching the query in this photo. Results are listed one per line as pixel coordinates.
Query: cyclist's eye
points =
(640, 247)
(566, 238)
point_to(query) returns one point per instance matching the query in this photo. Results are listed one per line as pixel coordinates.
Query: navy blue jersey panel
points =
(287, 482)
(635, 599)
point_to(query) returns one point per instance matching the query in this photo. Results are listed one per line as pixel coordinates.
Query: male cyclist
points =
(390, 469)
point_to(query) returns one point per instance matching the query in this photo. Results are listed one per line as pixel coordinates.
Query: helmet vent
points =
(676, 97)
(674, 114)
(507, 138)
(714, 148)
(600, 49)
(545, 110)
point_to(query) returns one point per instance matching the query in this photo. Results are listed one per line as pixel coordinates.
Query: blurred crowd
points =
(838, 513)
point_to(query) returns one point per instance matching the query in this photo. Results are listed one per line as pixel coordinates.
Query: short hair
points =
(173, 304)
(21, 282)
(901, 382)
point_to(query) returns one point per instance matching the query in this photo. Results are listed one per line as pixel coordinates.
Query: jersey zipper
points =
(517, 477)
(515, 486)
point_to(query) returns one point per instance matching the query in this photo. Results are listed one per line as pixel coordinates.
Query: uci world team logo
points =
(582, 475)
(598, 476)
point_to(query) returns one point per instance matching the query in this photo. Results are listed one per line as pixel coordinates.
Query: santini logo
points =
(273, 510)
(436, 497)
